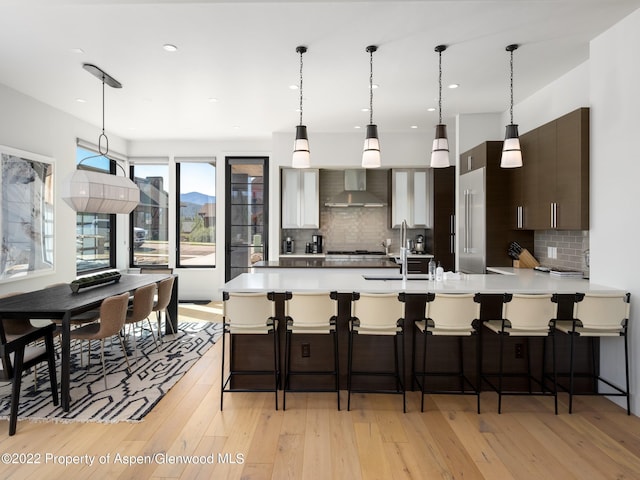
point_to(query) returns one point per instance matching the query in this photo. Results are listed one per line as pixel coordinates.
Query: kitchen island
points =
(491, 287)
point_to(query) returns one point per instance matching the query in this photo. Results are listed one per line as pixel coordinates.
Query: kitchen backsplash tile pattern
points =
(353, 228)
(572, 248)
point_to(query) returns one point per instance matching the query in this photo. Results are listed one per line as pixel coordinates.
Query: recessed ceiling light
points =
(293, 87)
(364, 109)
(375, 85)
(169, 47)
(213, 100)
(414, 126)
(454, 85)
(81, 100)
(431, 109)
(76, 50)
(357, 126)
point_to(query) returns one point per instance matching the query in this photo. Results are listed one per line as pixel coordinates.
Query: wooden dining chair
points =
(113, 311)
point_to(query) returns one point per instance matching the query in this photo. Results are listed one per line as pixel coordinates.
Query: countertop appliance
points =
(288, 245)
(419, 244)
(316, 244)
(472, 230)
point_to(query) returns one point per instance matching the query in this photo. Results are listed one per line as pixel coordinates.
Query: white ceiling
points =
(243, 54)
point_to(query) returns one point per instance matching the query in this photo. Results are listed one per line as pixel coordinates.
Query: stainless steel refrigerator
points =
(472, 237)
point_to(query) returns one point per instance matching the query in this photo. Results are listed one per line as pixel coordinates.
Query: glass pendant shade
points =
(440, 150)
(301, 155)
(371, 150)
(511, 153)
(97, 192)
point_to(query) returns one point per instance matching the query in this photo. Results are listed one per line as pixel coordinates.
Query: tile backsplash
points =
(572, 247)
(353, 228)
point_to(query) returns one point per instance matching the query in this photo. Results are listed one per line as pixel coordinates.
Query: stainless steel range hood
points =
(355, 192)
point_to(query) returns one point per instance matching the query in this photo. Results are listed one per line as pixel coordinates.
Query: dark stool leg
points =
(287, 367)
(336, 364)
(626, 371)
(500, 373)
(349, 367)
(276, 363)
(424, 369)
(571, 353)
(222, 379)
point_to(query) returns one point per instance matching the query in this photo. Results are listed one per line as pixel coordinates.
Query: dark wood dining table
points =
(59, 302)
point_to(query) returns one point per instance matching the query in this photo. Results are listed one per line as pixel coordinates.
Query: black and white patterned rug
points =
(129, 397)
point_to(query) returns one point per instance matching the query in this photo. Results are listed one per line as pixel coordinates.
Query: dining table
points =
(60, 303)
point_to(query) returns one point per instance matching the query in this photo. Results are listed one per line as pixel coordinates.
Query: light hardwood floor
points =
(312, 440)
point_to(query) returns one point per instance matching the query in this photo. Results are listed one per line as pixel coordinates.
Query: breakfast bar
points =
(491, 287)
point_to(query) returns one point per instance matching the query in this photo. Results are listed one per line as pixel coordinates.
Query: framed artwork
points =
(26, 214)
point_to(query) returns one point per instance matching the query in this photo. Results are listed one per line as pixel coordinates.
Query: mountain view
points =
(192, 201)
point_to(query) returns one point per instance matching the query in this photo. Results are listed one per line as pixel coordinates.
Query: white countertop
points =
(525, 281)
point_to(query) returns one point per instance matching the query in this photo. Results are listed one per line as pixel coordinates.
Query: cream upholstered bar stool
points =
(249, 314)
(311, 314)
(598, 315)
(377, 314)
(448, 315)
(526, 316)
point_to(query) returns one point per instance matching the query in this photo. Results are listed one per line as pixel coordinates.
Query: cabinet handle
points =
(555, 215)
(519, 217)
(469, 162)
(551, 214)
(466, 221)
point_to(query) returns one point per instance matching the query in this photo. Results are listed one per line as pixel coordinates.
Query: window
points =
(149, 233)
(95, 233)
(196, 205)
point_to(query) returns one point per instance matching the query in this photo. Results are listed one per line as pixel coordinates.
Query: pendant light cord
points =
(103, 135)
(371, 50)
(301, 52)
(440, 87)
(511, 88)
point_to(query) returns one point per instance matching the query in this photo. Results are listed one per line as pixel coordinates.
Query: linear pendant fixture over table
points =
(440, 150)
(93, 191)
(301, 155)
(511, 153)
(371, 150)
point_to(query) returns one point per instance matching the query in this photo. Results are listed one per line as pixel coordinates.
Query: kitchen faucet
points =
(403, 248)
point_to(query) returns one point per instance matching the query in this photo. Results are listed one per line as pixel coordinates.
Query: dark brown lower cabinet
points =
(251, 351)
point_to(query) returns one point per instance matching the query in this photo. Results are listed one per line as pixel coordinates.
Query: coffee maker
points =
(316, 244)
(288, 245)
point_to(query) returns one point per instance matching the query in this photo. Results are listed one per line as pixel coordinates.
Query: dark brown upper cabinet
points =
(551, 190)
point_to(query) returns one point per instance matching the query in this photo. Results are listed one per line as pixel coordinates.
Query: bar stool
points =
(594, 316)
(311, 314)
(249, 314)
(377, 314)
(449, 315)
(525, 316)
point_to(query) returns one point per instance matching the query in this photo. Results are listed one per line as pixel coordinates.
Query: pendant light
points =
(301, 156)
(93, 191)
(371, 150)
(440, 150)
(511, 153)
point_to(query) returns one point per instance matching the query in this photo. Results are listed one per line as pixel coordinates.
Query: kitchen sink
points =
(410, 276)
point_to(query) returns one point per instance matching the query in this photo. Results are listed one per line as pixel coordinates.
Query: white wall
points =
(32, 126)
(200, 283)
(615, 169)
